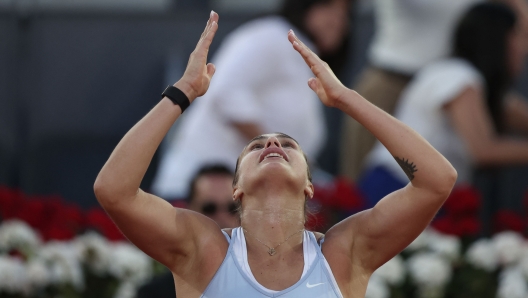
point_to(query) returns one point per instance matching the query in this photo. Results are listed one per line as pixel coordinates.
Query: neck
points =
(272, 219)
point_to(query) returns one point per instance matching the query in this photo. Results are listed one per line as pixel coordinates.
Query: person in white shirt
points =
(409, 35)
(242, 103)
(462, 104)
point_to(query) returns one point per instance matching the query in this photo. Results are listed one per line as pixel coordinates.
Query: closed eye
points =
(288, 144)
(256, 146)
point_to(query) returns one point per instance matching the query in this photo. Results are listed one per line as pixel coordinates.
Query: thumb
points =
(211, 68)
(317, 87)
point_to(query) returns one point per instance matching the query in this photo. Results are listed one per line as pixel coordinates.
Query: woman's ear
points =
(237, 193)
(309, 190)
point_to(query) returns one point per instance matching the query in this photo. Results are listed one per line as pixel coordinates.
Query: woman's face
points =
(517, 49)
(275, 157)
(328, 24)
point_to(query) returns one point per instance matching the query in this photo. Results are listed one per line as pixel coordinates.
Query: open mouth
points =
(273, 153)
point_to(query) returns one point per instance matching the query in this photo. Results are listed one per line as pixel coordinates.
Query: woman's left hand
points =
(327, 86)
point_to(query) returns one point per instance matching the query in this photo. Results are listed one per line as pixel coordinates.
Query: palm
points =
(198, 76)
(325, 84)
(198, 73)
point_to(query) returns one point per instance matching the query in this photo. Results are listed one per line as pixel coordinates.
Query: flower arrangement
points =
(53, 218)
(449, 260)
(434, 266)
(86, 266)
(49, 248)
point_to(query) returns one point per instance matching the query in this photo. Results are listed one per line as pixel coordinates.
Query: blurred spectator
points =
(462, 105)
(409, 35)
(260, 85)
(211, 193)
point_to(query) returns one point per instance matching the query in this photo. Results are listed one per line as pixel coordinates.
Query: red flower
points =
(347, 195)
(56, 231)
(445, 225)
(64, 223)
(507, 220)
(10, 201)
(469, 226)
(341, 195)
(72, 217)
(32, 212)
(463, 200)
(98, 219)
(465, 226)
(54, 206)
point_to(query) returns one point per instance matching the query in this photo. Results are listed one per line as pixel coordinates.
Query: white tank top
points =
(235, 279)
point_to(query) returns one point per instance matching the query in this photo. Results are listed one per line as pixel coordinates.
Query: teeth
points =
(273, 155)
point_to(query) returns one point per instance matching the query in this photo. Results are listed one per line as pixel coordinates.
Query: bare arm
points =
(485, 145)
(374, 236)
(248, 129)
(516, 114)
(151, 223)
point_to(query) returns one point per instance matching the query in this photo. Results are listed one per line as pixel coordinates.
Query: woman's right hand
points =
(327, 86)
(198, 74)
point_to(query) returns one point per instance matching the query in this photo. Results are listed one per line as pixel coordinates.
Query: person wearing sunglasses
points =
(211, 194)
(271, 254)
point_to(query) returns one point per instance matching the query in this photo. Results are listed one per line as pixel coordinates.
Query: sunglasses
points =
(211, 208)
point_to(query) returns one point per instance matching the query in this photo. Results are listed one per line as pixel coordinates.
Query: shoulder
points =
(441, 81)
(451, 70)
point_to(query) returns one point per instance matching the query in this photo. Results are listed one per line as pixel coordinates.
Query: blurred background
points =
(76, 75)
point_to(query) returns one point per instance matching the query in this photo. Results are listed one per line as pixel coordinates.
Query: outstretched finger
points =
(292, 37)
(309, 57)
(213, 17)
(206, 28)
(205, 42)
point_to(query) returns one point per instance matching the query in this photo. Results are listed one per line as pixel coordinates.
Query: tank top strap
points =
(227, 236)
(313, 242)
(230, 239)
(234, 232)
(321, 241)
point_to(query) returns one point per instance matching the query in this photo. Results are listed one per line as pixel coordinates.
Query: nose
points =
(273, 141)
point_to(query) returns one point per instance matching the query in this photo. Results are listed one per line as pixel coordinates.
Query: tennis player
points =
(271, 254)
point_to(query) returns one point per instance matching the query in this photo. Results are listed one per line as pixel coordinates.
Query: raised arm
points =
(151, 223)
(372, 237)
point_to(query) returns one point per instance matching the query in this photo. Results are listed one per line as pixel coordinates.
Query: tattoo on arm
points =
(408, 167)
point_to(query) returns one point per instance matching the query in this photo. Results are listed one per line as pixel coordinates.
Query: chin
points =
(276, 175)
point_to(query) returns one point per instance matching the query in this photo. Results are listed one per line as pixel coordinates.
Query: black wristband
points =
(177, 97)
